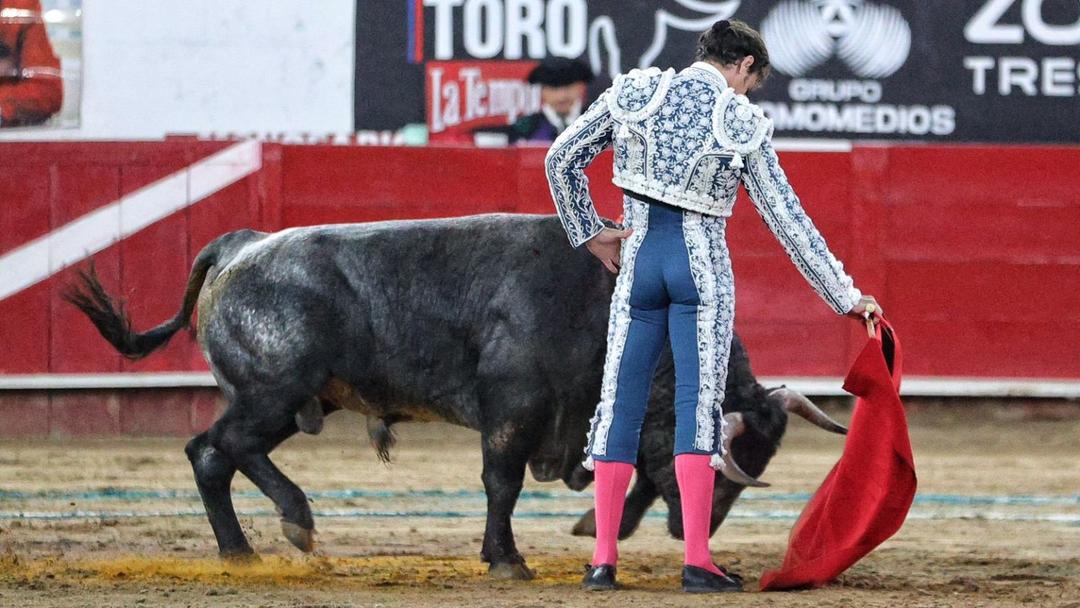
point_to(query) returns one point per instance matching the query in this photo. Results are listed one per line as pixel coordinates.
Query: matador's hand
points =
(607, 245)
(867, 305)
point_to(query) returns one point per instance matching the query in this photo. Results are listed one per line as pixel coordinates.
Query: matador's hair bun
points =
(728, 42)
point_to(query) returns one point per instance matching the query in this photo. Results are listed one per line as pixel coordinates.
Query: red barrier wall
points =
(49, 185)
(973, 250)
(966, 246)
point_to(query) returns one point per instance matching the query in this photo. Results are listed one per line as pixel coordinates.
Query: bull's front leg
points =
(724, 496)
(505, 450)
(638, 501)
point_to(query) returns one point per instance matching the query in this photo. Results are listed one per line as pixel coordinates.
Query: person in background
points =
(563, 84)
(31, 87)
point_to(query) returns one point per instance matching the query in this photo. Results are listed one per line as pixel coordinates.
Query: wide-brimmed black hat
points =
(560, 71)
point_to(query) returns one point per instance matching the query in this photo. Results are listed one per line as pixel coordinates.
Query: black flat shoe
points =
(700, 580)
(599, 578)
(728, 573)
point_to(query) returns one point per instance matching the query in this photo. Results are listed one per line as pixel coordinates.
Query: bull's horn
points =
(795, 402)
(736, 426)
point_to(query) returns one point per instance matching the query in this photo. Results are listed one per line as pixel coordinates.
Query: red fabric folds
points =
(865, 498)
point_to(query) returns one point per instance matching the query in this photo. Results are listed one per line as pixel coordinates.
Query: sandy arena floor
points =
(118, 523)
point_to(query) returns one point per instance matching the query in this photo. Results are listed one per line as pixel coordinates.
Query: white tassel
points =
(716, 462)
(624, 132)
(736, 161)
(589, 464)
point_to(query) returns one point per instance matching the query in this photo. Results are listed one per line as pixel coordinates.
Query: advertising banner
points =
(465, 95)
(967, 70)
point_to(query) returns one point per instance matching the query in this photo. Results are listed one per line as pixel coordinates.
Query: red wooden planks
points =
(75, 344)
(781, 348)
(24, 414)
(84, 413)
(154, 272)
(923, 227)
(156, 412)
(325, 184)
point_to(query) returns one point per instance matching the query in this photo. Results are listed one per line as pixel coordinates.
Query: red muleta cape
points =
(865, 498)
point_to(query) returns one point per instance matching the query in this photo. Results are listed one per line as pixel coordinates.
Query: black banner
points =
(963, 70)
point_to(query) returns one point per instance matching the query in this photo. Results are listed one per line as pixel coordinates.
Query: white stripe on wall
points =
(79, 239)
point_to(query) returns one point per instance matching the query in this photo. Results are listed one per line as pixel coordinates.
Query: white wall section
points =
(157, 67)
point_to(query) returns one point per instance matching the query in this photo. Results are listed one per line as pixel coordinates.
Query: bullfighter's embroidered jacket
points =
(688, 140)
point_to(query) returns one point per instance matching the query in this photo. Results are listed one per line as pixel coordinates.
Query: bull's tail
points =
(109, 316)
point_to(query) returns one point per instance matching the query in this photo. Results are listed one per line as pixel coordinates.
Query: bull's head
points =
(791, 402)
(755, 430)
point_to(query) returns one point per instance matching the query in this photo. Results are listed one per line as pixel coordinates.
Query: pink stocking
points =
(696, 479)
(612, 479)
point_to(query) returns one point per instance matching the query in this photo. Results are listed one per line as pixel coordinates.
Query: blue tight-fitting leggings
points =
(675, 282)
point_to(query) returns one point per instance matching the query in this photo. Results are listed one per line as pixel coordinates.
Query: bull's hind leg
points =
(726, 493)
(213, 476)
(247, 436)
(297, 523)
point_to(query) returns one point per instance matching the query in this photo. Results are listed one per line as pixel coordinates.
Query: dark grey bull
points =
(490, 322)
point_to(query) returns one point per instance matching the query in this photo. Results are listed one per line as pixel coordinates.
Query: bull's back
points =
(479, 242)
(411, 296)
(454, 262)
(468, 273)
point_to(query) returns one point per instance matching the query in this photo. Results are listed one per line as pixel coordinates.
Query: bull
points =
(489, 322)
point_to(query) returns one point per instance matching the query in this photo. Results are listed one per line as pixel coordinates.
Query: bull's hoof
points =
(508, 571)
(241, 558)
(301, 538)
(586, 526)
